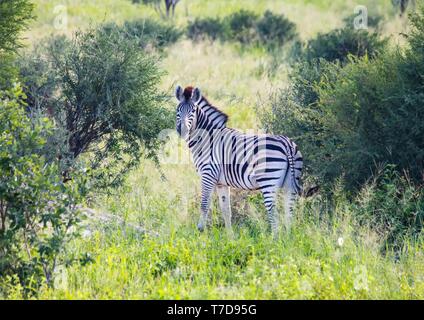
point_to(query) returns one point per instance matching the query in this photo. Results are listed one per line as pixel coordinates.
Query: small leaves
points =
(37, 210)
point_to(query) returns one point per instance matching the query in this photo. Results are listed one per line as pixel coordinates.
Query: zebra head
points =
(186, 110)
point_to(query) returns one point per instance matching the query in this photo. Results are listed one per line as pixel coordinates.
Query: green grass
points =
(307, 263)
(310, 262)
(323, 256)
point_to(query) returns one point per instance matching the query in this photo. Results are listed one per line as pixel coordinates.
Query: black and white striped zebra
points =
(226, 158)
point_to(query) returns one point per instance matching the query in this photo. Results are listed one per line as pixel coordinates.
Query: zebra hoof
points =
(200, 227)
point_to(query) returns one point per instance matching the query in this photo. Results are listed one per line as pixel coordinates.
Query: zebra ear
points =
(196, 96)
(179, 93)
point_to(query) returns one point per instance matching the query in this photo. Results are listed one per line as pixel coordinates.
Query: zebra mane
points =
(210, 112)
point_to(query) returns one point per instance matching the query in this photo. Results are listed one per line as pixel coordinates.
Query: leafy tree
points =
(275, 30)
(14, 17)
(103, 90)
(241, 26)
(205, 28)
(246, 27)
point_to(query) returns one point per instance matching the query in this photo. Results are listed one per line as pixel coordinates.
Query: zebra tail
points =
(296, 171)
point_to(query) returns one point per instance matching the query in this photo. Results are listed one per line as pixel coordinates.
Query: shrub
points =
(38, 212)
(8, 71)
(370, 119)
(392, 206)
(245, 27)
(363, 116)
(15, 15)
(103, 90)
(275, 30)
(147, 32)
(358, 115)
(339, 44)
(241, 26)
(206, 28)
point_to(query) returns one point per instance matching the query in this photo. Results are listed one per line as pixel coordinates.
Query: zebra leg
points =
(289, 198)
(269, 194)
(224, 203)
(207, 188)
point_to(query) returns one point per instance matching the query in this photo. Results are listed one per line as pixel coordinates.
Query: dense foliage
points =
(240, 26)
(38, 211)
(205, 28)
(340, 43)
(392, 206)
(350, 117)
(103, 90)
(14, 17)
(245, 27)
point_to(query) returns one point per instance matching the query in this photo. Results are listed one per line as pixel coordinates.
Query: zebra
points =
(226, 158)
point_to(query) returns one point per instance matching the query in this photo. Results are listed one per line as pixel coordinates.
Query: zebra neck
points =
(209, 122)
(209, 117)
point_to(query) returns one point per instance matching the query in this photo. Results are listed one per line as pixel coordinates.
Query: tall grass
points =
(324, 256)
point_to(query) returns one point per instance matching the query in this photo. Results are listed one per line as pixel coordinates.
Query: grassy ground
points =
(321, 258)
(318, 259)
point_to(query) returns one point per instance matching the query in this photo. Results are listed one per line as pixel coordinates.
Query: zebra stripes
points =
(227, 158)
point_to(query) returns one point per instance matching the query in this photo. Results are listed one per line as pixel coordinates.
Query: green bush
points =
(206, 28)
(339, 44)
(38, 211)
(241, 26)
(147, 32)
(392, 206)
(8, 71)
(350, 118)
(103, 91)
(246, 27)
(372, 116)
(15, 15)
(275, 30)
